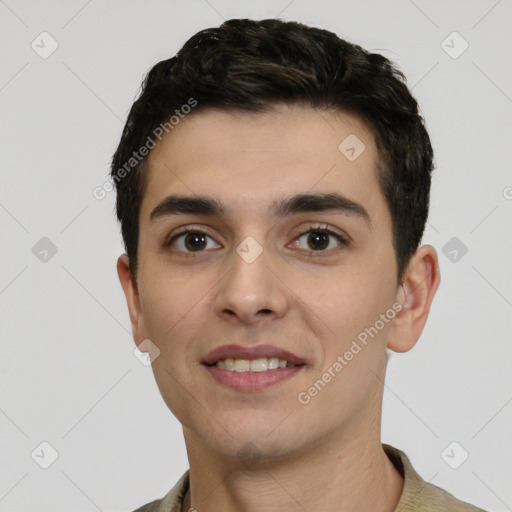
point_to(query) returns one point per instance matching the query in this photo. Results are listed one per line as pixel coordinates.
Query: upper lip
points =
(250, 352)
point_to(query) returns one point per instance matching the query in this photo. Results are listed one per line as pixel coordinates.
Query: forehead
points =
(248, 160)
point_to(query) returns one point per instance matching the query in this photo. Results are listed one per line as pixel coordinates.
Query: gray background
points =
(68, 373)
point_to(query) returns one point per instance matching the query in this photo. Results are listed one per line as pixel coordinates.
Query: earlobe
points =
(421, 280)
(132, 300)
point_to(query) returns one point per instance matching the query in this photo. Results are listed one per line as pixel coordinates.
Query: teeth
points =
(255, 365)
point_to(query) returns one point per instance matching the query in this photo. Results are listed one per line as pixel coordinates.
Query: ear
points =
(415, 295)
(132, 299)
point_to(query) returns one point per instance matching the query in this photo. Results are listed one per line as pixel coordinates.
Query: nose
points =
(251, 291)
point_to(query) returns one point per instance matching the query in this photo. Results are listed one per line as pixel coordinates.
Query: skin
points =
(309, 302)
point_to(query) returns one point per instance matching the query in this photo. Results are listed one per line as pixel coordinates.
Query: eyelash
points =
(317, 228)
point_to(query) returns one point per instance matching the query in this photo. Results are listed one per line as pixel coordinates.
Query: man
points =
(273, 187)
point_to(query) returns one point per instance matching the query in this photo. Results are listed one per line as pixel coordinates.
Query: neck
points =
(342, 474)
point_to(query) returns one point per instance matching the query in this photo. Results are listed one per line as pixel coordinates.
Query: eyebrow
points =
(300, 203)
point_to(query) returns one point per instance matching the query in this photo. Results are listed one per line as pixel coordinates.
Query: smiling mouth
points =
(253, 375)
(259, 365)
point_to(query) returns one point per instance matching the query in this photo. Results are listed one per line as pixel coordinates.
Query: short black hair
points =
(252, 66)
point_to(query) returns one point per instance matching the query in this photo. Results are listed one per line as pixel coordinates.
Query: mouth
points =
(262, 364)
(257, 358)
(251, 368)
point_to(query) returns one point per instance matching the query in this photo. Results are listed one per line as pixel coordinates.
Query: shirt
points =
(417, 495)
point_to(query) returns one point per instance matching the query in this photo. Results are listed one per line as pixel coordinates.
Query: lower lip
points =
(251, 381)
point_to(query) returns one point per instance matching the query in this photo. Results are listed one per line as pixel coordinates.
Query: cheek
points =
(348, 303)
(171, 304)
(175, 307)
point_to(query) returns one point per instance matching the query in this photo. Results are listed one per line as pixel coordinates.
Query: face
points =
(253, 275)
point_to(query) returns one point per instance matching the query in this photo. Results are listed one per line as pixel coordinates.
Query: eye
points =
(191, 241)
(318, 238)
(195, 240)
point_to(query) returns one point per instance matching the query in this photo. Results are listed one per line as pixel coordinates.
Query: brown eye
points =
(194, 241)
(190, 241)
(319, 239)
